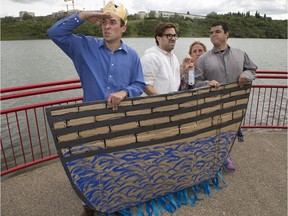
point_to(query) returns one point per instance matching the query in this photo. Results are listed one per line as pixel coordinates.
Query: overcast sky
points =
(277, 9)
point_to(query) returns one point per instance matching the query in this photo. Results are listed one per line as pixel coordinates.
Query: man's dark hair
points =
(224, 26)
(161, 28)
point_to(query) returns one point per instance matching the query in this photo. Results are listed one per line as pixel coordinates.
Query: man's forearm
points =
(150, 90)
(85, 15)
(249, 74)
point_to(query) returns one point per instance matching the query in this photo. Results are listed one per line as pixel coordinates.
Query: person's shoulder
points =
(129, 49)
(152, 51)
(91, 38)
(87, 37)
(233, 49)
(205, 55)
(151, 54)
(209, 52)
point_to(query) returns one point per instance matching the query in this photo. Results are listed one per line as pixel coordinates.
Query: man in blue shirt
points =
(108, 69)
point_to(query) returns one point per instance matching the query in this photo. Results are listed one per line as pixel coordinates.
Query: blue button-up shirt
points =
(101, 71)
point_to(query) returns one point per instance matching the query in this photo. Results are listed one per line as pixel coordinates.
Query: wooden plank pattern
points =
(161, 116)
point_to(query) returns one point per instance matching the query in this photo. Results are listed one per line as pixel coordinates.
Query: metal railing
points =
(26, 139)
(267, 107)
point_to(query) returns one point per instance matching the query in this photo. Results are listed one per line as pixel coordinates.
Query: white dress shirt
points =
(161, 70)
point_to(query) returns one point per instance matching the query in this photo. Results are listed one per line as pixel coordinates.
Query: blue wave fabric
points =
(157, 178)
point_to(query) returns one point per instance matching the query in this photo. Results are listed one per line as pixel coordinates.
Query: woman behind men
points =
(196, 49)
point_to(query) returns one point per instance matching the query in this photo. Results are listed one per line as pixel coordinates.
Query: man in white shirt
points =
(160, 65)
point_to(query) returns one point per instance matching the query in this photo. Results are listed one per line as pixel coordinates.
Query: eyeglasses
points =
(170, 36)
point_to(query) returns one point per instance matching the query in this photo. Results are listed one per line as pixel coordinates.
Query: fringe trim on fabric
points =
(170, 203)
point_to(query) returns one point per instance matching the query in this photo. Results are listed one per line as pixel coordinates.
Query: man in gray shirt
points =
(223, 64)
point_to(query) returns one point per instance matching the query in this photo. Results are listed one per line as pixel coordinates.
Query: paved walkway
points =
(257, 188)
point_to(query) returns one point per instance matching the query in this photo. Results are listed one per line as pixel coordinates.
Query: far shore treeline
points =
(242, 25)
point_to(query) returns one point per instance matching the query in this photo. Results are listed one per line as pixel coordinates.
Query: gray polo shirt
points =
(223, 66)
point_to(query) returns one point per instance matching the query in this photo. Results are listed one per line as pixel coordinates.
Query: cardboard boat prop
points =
(156, 151)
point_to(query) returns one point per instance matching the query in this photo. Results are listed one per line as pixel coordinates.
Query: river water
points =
(36, 61)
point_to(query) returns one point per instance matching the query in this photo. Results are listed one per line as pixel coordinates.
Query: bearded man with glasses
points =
(160, 65)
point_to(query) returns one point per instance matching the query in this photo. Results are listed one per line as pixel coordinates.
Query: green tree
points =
(27, 16)
(242, 25)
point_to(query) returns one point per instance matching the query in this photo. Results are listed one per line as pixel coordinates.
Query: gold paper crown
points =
(119, 10)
